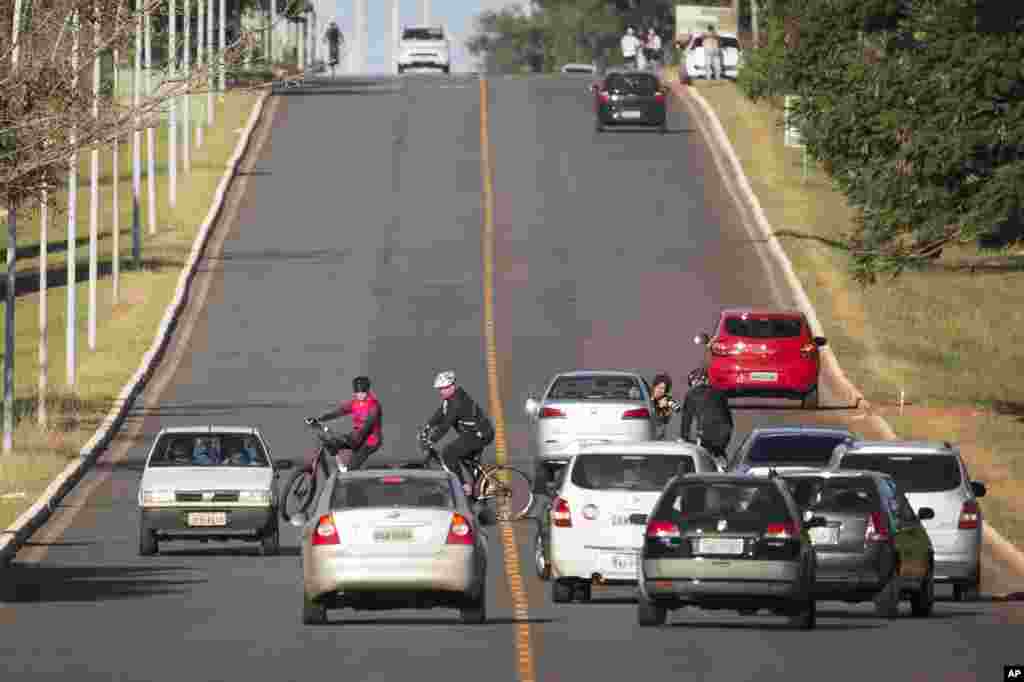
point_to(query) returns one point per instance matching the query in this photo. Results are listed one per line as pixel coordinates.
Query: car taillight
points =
(662, 529)
(968, 516)
(460, 532)
(604, 96)
(876, 531)
(659, 96)
(781, 531)
(326, 532)
(560, 515)
(808, 350)
(551, 413)
(720, 349)
(638, 413)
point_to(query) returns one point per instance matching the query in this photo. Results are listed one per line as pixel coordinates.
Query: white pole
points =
(186, 135)
(201, 58)
(222, 43)
(137, 142)
(395, 34)
(115, 284)
(94, 184)
(172, 72)
(10, 294)
(72, 240)
(150, 131)
(210, 61)
(271, 43)
(425, 11)
(44, 351)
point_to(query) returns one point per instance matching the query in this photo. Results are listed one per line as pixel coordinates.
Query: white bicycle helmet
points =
(444, 379)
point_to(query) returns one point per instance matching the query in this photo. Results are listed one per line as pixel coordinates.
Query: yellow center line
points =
(524, 652)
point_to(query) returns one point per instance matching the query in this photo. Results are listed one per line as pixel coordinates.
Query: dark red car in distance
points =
(764, 354)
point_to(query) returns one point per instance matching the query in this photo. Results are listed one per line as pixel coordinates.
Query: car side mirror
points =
(298, 520)
(486, 517)
(816, 522)
(925, 513)
(702, 339)
(283, 464)
(532, 407)
(819, 341)
(978, 488)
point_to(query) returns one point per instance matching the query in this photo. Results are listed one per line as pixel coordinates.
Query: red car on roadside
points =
(764, 354)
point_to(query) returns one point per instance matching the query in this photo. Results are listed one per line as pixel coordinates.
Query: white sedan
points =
(209, 482)
(696, 61)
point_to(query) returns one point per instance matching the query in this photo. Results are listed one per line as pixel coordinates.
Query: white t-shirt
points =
(629, 45)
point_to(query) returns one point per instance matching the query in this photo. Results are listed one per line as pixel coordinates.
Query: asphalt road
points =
(355, 246)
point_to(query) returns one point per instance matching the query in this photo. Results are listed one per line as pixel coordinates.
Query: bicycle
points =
(506, 488)
(302, 485)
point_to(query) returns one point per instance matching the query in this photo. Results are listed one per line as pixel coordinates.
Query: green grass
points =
(949, 338)
(125, 330)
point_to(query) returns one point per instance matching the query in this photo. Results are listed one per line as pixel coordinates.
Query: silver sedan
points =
(393, 539)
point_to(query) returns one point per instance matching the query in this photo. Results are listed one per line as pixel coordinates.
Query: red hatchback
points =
(764, 354)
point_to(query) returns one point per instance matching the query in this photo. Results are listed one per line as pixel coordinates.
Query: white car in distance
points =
(209, 483)
(424, 47)
(596, 522)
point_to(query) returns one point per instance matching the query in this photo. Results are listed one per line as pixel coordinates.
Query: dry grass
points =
(949, 336)
(124, 331)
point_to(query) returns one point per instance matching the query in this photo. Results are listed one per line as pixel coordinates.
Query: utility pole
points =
(753, 23)
(210, 60)
(137, 142)
(201, 59)
(10, 298)
(172, 141)
(425, 11)
(94, 182)
(223, 44)
(115, 284)
(72, 241)
(150, 131)
(44, 350)
(186, 135)
(395, 35)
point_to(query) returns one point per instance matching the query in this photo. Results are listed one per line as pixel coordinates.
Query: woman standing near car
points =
(664, 404)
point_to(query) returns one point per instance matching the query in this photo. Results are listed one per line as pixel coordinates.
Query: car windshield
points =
(793, 450)
(422, 34)
(392, 491)
(596, 387)
(725, 500)
(763, 327)
(921, 474)
(628, 472)
(837, 495)
(216, 450)
(635, 83)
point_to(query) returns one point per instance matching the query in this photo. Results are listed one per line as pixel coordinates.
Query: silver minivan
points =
(932, 474)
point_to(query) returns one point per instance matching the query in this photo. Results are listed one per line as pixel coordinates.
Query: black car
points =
(630, 98)
(872, 546)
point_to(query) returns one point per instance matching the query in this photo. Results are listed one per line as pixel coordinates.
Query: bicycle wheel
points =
(297, 494)
(509, 490)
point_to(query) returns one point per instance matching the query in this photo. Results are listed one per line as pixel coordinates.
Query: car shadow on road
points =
(38, 584)
(634, 131)
(454, 620)
(702, 625)
(215, 551)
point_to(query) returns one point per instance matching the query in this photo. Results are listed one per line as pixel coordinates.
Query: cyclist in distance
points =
(460, 412)
(333, 38)
(367, 430)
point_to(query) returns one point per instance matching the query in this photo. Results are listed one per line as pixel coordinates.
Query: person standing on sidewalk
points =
(630, 45)
(713, 54)
(652, 48)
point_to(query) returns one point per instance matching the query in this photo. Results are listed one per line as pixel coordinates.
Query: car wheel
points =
(540, 559)
(965, 592)
(270, 542)
(561, 592)
(810, 399)
(314, 612)
(649, 614)
(583, 592)
(446, 69)
(148, 545)
(806, 615)
(475, 612)
(922, 603)
(887, 602)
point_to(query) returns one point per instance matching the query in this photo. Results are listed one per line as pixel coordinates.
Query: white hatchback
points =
(595, 525)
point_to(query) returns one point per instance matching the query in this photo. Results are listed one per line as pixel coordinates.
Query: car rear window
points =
(628, 472)
(723, 41)
(725, 500)
(837, 495)
(392, 491)
(596, 387)
(764, 327)
(920, 474)
(422, 34)
(204, 449)
(805, 450)
(638, 84)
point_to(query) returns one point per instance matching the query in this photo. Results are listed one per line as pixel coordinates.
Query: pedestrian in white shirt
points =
(630, 45)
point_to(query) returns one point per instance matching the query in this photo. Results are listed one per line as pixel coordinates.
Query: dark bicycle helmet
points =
(698, 377)
(361, 384)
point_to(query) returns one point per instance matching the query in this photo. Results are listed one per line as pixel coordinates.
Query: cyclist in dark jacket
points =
(333, 38)
(460, 412)
(706, 409)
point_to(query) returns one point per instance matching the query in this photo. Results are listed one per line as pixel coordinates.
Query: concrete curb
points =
(37, 515)
(1002, 547)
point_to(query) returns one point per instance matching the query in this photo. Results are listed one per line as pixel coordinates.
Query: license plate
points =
(622, 562)
(632, 114)
(720, 546)
(764, 376)
(207, 519)
(393, 535)
(620, 519)
(824, 536)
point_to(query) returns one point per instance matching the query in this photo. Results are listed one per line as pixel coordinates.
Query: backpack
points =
(484, 426)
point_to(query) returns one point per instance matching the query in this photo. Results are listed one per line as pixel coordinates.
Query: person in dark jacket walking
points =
(460, 412)
(706, 411)
(664, 404)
